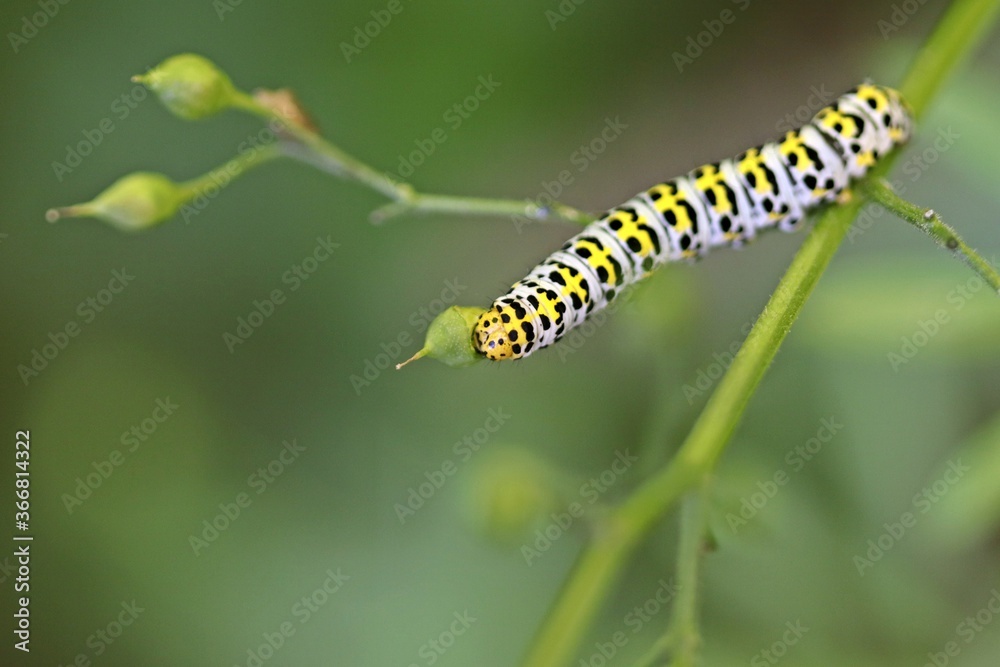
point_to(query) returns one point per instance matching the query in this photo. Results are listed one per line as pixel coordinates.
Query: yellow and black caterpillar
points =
(719, 204)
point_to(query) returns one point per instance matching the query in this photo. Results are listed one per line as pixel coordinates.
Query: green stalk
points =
(961, 29)
(338, 161)
(229, 171)
(319, 152)
(683, 640)
(930, 223)
(683, 637)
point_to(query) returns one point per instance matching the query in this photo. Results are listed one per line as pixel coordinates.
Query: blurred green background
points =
(636, 384)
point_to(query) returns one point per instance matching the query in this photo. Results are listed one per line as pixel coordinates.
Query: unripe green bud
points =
(509, 493)
(134, 202)
(191, 86)
(449, 338)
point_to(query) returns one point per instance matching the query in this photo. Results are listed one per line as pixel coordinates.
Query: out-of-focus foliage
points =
(279, 366)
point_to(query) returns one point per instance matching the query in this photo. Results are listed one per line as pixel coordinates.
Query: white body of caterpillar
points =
(720, 204)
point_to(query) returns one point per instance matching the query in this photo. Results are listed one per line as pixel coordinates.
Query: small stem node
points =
(928, 221)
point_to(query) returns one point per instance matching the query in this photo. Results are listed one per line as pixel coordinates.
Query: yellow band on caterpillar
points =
(722, 204)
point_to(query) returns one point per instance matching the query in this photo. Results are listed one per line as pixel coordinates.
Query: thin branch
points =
(930, 223)
(682, 640)
(320, 153)
(234, 168)
(600, 563)
(963, 26)
(683, 633)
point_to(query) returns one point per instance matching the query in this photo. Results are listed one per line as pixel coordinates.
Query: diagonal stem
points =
(930, 223)
(962, 27)
(682, 639)
(313, 149)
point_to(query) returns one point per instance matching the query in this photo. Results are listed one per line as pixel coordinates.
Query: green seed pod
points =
(134, 202)
(510, 493)
(191, 86)
(449, 338)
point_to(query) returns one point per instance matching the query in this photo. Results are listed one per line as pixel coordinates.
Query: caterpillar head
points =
(490, 336)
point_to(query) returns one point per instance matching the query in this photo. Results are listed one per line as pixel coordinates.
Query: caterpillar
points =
(720, 204)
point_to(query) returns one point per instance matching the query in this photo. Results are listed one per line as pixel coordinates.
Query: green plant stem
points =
(929, 222)
(970, 515)
(683, 634)
(682, 639)
(232, 169)
(336, 160)
(424, 203)
(959, 31)
(322, 154)
(599, 564)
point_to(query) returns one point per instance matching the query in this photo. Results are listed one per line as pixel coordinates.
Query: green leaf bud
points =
(191, 86)
(449, 338)
(510, 493)
(134, 202)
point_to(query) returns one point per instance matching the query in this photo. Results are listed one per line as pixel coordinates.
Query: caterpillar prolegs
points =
(720, 204)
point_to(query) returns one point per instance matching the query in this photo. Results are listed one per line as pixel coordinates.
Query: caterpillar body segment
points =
(721, 204)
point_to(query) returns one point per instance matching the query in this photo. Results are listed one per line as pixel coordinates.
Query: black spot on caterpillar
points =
(722, 204)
